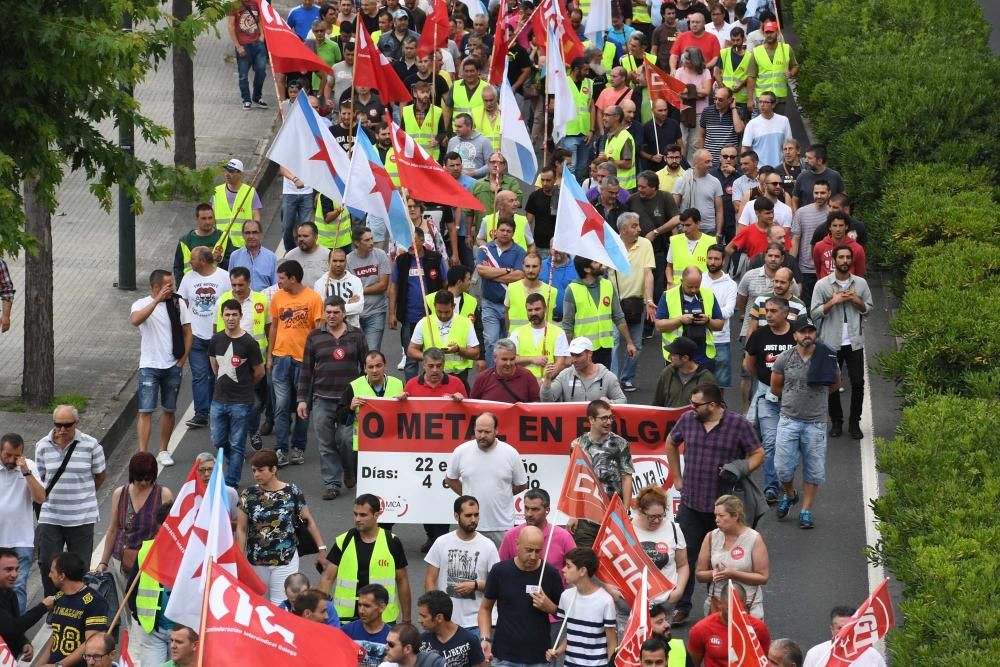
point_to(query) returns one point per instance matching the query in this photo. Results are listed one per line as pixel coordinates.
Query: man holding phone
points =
(692, 311)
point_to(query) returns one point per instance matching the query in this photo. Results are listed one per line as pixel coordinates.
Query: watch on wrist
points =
(488, 640)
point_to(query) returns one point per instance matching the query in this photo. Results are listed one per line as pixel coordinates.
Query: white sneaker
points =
(164, 459)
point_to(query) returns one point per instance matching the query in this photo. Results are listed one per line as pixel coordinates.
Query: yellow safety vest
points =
(468, 309)
(733, 76)
(517, 294)
(678, 654)
(608, 53)
(336, 233)
(683, 258)
(520, 224)
(147, 596)
(489, 129)
(527, 347)
(594, 320)
(391, 167)
(393, 388)
(259, 305)
(629, 65)
(582, 96)
(422, 133)
(462, 103)
(381, 570)
(224, 213)
(640, 12)
(771, 74)
(674, 309)
(614, 148)
(458, 334)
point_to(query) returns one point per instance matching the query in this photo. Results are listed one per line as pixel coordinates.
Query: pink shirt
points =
(562, 544)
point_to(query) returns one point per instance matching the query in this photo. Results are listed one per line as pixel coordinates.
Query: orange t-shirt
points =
(295, 316)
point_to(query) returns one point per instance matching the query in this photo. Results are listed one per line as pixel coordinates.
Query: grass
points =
(15, 404)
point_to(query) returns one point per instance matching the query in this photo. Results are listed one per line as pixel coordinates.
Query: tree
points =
(185, 153)
(64, 64)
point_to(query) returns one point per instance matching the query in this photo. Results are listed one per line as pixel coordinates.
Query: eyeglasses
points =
(654, 517)
(698, 405)
(603, 418)
(64, 425)
(723, 156)
(93, 657)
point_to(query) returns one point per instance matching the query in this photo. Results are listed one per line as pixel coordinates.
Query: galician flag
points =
(515, 142)
(581, 230)
(370, 190)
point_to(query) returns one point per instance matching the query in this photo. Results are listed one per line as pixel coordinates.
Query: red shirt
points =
(753, 241)
(522, 387)
(823, 256)
(449, 385)
(708, 44)
(709, 637)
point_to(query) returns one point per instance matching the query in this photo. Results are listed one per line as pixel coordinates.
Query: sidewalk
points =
(96, 349)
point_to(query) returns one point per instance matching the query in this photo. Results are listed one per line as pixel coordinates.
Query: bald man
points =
(697, 188)
(524, 589)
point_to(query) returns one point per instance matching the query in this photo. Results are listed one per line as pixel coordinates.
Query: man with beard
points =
(541, 346)
(724, 288)
(593, 301)
(314, 258)
(672, 169)
(518, 292)
(815, 170)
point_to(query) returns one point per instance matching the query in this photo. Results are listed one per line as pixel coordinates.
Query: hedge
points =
(940, 534)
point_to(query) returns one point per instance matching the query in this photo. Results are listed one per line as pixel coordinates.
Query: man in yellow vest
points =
(422, 120)
(487, 117)
(347, 576)
(518, 292)
(466, 95)
(619, 146)
(580, 131)
(235, 201)
(591, 309)
(731, 70)
(453, 335)
(206, 233)
(689, 248)
(690, 310)
(333, 225)
(506, 205)
(486, 188)
(771, 66)
(542, 347)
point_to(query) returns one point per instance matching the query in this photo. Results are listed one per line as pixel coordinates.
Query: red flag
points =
(373, 70)
(870, 623)
(637, 629)
(551, 11)
(622, 558)
(7, 659)
(582, 495)
(164, 558)
(662, 86)
(125, 659)
(498, 58)
(437, 27)
(744, 646)
(288, 52)
(424, 177)
(242, 629)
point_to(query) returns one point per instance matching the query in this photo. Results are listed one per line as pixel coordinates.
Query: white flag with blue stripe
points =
(515, 142)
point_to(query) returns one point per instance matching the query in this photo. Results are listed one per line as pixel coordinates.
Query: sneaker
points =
(628, 386)
(165, 459)
(197, 421)
(771, 496)
(256, 442)
(298, 457)
(806, 520)
(282, 458)
(855, 431)
(261, 103)
(836, 430)
(786, 504)
(331, 494)
(246, 106)
(401, 366)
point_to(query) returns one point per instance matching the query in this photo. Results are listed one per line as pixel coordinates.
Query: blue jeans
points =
(154, 647)
(159, 386)
(579, 151)
(374, 327)
(800, 440)
(23, 570)
(494, 327)
(331, 466)
(284, 379)
(629, 367)
(230, 423)
(405, 334)
(295, 209)
(202, 381)
(723, 364)
(768, 413)
(256, 57)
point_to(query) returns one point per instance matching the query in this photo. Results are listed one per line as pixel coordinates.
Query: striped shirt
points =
(73, 500)
(589, 617)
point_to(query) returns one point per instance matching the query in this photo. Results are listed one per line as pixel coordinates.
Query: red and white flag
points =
(622, 558)
(242, 629)
(436, 30)
(662, 86)
(636, 630)
(549, 15)
(498, 57)
(288, 52)
(7, 659)
(164, 557)
(582, 495)
(372, 69)
(125, 659)
(870, 623)
(744, 646)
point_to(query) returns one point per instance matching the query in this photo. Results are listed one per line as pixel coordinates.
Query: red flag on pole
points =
(582, 495)
(437, 27)
(550, 11)
(288, 52)
(622, 558)
(242, 629)
(662, 86)
(637, 629)
(744, 645)
(498, 58)
(424, 177)
(373, 70)
(165, 556)
(873, 619)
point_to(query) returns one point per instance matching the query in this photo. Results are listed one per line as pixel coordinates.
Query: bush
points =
(940, 536)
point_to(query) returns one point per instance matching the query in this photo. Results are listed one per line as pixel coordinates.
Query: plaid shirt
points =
(705, 454)
(6, 284)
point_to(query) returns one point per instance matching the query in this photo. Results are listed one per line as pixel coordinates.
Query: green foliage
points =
(169, 182)
(940, 537)
(64, 69)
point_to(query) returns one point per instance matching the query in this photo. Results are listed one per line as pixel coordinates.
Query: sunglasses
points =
(66, 425)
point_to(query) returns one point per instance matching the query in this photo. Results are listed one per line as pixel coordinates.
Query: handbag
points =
(55, 478)
(306, 544)
(634, 308)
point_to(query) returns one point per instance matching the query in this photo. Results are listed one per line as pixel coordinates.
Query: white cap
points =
(235, 165)
(580, 344)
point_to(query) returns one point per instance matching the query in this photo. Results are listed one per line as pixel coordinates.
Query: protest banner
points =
(404, 448)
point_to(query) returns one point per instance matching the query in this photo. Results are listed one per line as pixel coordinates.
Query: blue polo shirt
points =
(512, 258)
(263, 268)
(562, 276)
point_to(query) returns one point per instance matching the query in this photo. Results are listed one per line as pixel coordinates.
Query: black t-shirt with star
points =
(236, 359)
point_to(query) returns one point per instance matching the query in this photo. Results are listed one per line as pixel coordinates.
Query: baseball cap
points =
(802, 323)
(234, 165)
(400, 14)
(770, 26)
(580, 344)
(682, 346)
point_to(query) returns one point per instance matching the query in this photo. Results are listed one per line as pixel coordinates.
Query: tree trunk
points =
(185, 154)
(38, 382)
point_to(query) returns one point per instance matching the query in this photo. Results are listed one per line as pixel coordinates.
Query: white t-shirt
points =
(662, 543)
(17, 522)
(782, 215)
(721, 34)
(589, 616)
(724, 290)
(314, 264)
(202, 295)
(444, 328)
(459, 561)
(156, 345)
(819, 654)
(562, 345)
(488, 476)
(346, 288)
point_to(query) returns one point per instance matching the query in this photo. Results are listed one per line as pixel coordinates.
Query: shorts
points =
(165, 382)
(797, 440)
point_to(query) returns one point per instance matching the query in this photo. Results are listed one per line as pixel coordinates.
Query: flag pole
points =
(354, 68)
(545, 128)
(548, 303)
(520, 29)
(207, 577)
(124, 603)
(562, 628)
(420, 271)
(239, 206)
(545, 557)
